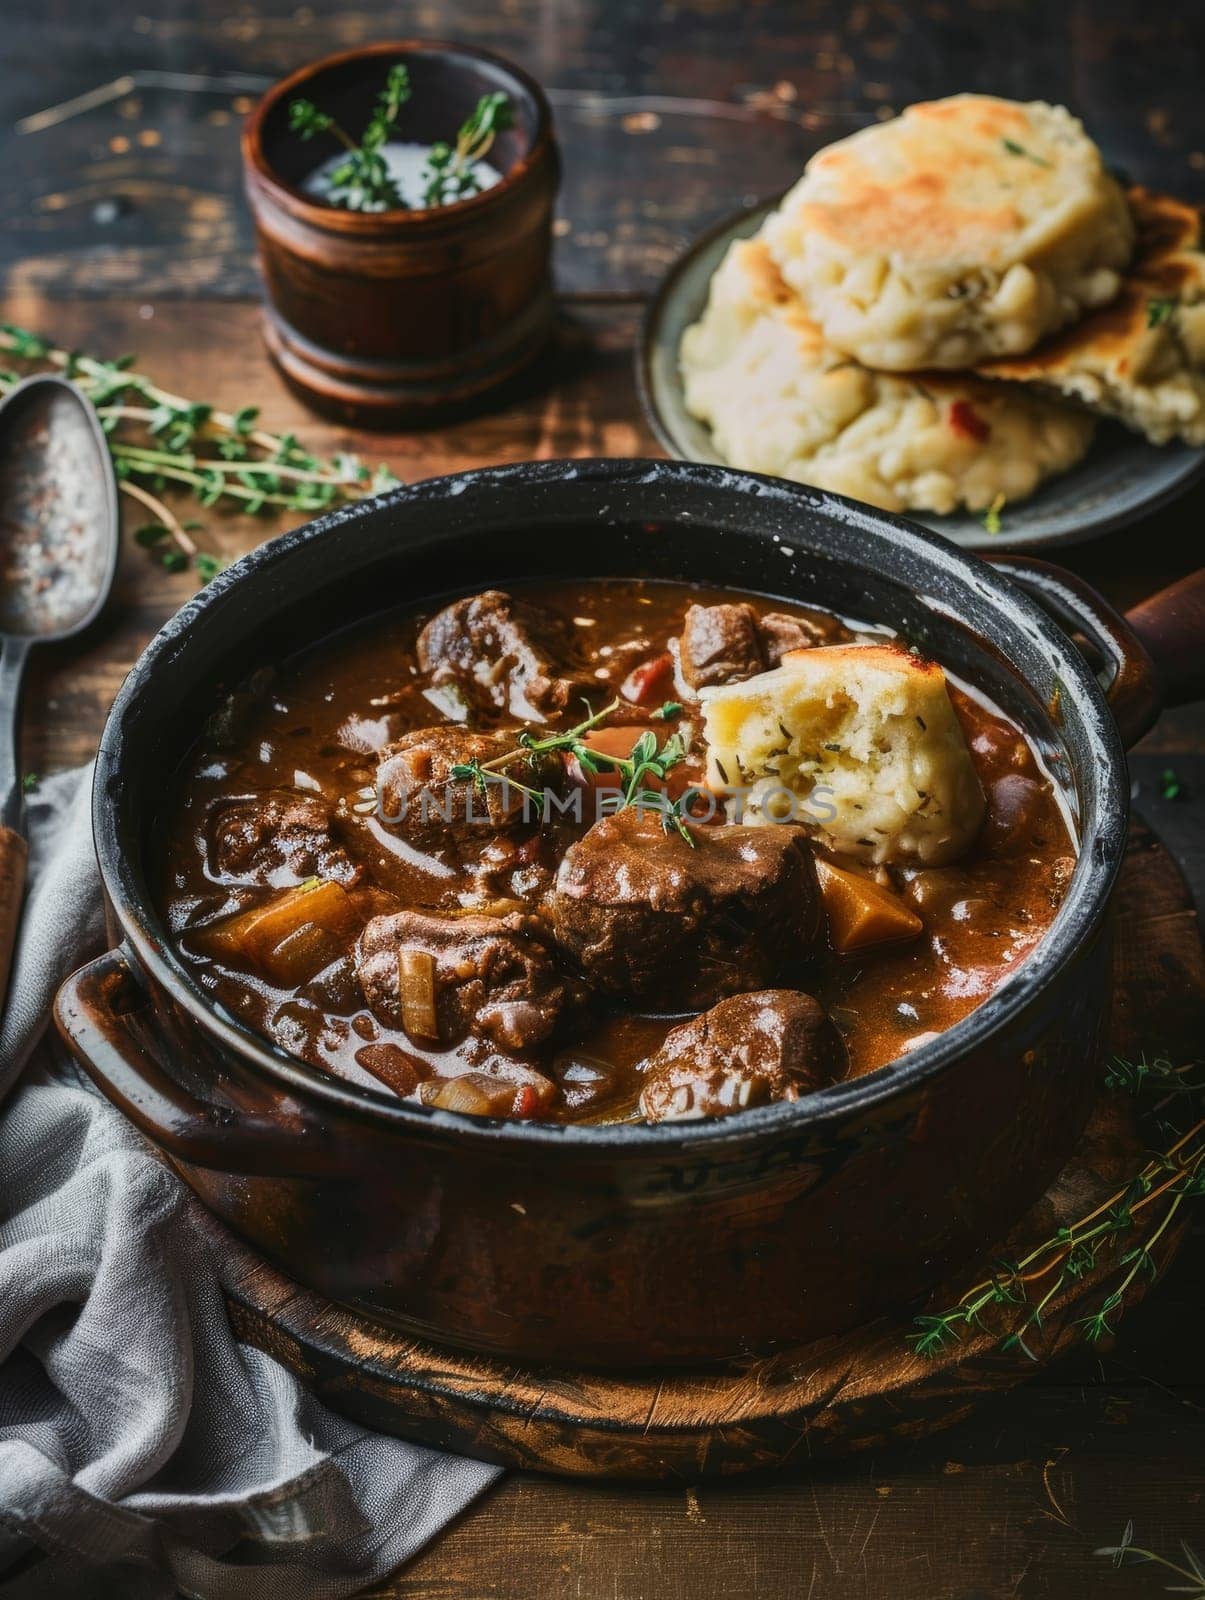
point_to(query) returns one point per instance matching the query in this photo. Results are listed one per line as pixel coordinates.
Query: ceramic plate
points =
(1120, 479)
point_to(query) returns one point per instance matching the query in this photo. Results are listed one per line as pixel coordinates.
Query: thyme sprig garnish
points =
(1170, 1176)
(648, 760)
(362, 181)
(160, 441)
(1127, 1550)
(450, 173)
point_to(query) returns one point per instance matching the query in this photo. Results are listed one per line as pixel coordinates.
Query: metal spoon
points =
(58, 553)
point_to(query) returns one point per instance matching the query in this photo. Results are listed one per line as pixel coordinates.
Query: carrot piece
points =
(301, 954)
(861, 912)
(648, 682)
(621, 741)
(259, 935)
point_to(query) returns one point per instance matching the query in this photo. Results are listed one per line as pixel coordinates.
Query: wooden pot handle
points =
(94, 1010)
(14, 853)
(1171, 624)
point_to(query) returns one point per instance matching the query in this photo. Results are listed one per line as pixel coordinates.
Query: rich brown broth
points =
(313, 727)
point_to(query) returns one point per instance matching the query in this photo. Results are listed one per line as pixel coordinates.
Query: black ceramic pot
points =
(629, 1245)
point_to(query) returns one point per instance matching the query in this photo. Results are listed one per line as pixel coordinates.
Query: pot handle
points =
(1152, 662)
(1171, 624)
(91, 1009)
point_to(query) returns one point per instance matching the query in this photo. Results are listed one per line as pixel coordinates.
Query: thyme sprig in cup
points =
(162, 442)
(452, 170)
(363, 179)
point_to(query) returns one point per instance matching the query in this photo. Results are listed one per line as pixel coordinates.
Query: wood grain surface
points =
(124, 229)
(14, 853)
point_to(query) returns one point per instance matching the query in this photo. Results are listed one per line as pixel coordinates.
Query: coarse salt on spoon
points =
(58, 552)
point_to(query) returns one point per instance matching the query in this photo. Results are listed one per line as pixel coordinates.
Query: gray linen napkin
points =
(141, 1446)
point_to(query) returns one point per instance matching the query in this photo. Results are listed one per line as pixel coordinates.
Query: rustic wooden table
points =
(124, 229)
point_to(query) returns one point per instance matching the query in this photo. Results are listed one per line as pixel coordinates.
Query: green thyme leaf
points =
(1015, 149)
(1160, 309)
(306, 120)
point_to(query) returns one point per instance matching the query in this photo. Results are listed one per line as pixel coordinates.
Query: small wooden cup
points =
(397, 317)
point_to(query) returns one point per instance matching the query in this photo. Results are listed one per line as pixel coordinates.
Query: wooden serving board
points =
(840, 1395)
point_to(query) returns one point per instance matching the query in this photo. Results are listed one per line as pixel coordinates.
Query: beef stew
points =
(483, 857)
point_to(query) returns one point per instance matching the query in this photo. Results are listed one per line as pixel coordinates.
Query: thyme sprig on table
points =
(161, 442)
(647, 761)
(1169, 1177)
(1127, 1551)
(362, 180)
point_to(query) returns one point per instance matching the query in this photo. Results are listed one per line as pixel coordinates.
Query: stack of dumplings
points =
(940, 307)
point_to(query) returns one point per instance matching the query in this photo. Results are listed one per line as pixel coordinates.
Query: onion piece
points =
(258, 934)
(473, 1094)
(416, 988)
(500, 906)
(481, 1094)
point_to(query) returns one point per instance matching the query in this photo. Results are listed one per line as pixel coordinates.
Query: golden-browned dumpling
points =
(860, 743)
(1142, 358)
(963, 229)
(779, 400)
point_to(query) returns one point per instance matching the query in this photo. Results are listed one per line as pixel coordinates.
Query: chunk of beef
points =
(277, 839)
(780, 633)
(728, 643)
(398, 1068)
(1018, 814)
(775, 1044)
(515, 867)
(649, 918)
(418, 796)
(720, 644)
(493, 976)
(504, 655)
